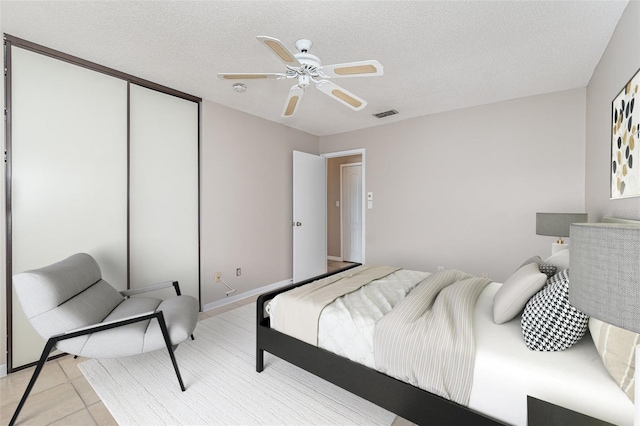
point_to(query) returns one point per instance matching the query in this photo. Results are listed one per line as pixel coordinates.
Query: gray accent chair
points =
(76, 311)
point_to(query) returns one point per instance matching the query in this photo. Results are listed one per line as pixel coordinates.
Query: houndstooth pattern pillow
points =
(548, 269)
(549, 322)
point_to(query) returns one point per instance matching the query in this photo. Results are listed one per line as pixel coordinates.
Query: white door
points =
(309, 215)
(351, 195)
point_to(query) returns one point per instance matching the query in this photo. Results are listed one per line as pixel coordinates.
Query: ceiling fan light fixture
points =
(303, 81)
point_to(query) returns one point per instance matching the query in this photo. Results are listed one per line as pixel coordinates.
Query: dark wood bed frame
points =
(405, 400)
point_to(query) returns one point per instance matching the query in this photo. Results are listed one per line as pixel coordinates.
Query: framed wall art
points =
(625, 141)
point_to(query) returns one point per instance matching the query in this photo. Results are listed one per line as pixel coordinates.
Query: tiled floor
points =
(61, 395)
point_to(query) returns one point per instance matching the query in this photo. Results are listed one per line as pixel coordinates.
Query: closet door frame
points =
(12, 41)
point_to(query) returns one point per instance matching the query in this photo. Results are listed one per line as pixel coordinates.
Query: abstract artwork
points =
(625, 141)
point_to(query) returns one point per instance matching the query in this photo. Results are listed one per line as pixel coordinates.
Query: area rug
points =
(223, 388)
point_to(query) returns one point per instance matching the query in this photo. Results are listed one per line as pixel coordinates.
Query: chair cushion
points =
(181, 316)
(119, 341)
(89, 307)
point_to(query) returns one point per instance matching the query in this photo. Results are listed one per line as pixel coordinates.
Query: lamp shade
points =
(605, 273)
(557, 224)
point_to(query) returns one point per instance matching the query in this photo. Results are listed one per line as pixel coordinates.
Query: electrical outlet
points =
(485, 275)
(217, 277)
(238, 272)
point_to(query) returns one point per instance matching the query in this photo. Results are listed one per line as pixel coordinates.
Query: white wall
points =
(618, 64)
(246, 199)
(461, 189)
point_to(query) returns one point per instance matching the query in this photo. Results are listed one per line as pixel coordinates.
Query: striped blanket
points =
(427, 339)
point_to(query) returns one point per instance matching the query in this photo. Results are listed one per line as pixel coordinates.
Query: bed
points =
(505, 370)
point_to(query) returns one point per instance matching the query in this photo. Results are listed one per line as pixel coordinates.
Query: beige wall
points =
(333, 195)
(458, 189)
(246, 199)
(461, 189)
(619, 63)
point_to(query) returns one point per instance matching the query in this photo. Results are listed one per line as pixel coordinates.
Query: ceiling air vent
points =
(386, 113)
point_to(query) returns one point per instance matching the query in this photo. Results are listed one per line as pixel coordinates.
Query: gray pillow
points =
(516, 291)
(545, 268)
(532, 259)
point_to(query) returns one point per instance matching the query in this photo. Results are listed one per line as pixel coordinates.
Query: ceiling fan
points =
(306, 69)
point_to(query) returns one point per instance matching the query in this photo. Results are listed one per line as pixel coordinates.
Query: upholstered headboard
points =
(618, 220)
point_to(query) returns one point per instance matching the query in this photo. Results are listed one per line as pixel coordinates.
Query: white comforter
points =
(346, 326)
(505, 370)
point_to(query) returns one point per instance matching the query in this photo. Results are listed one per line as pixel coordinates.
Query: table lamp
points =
(557, 225)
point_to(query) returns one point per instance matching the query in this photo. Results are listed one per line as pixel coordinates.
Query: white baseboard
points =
(241, 296)
(3, 370)
(335, 258)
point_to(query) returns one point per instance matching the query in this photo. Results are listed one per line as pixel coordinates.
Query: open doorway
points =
(345, 208)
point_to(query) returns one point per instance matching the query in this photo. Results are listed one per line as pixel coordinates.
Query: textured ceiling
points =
(437, 55)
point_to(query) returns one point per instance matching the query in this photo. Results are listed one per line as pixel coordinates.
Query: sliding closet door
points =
(163, 190)
(69, 175)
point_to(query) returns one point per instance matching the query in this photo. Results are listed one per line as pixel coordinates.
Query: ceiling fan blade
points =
(353, 69)
(293, 101)
(250, 76)
(281, 52)
(341, 95)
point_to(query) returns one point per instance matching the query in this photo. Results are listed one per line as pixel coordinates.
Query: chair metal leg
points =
(165, 333)
(45, 354)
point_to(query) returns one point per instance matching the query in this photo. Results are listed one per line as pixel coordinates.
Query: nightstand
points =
(542, 413)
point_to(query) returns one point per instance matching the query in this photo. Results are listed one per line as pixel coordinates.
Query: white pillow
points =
(516, 291)
(560, 260)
